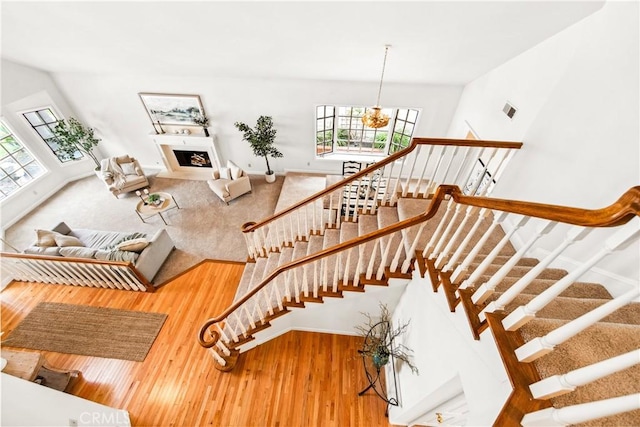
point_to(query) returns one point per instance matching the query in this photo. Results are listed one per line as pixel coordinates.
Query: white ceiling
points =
(449, 42)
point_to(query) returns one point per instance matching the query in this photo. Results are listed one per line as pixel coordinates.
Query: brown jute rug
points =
(89, 331)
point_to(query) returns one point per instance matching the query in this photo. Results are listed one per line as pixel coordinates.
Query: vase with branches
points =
(261, 139)
(72, 136)
(379, 335)
(203, 121)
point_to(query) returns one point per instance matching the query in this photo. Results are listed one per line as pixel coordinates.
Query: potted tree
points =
(73, 136)
(261, 140)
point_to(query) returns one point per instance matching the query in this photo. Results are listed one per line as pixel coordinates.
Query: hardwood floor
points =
(298, 379)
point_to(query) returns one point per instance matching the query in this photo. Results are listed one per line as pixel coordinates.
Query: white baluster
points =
(557, 385)
(248, 314)
(446, 232)
(436, 234)
(412, 250)
(479, 271)
(448, 167)
(524, 313)
(223, 335)
(574, 235)
(432, 180)
(465, 159)
(385, 256)
(486, 289)
(575, 414)
(453, 261)
(217, 357)
(223, 348)
(372, 259)
(425, 163)
(405, 190)
(444, 254)
(345, 278)
(540, 346)
(396, 259)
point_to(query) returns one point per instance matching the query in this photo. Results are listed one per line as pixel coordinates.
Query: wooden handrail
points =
(415, 142)
(126, 264)
(618, 213)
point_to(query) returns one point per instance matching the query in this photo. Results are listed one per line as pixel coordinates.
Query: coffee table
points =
(146, 210)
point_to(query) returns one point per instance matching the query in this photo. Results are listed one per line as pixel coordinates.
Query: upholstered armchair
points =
(230, 182)
(122, 174)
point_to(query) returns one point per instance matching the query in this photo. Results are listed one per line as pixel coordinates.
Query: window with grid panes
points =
(44, 122)
(324, 128)
(349, 135)
(404, 123)
(18, 166)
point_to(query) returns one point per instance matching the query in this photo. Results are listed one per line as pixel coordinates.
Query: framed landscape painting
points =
(168, 109)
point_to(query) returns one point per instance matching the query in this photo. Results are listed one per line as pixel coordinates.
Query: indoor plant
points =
(261, 140)
(202, 120)
(73, 136)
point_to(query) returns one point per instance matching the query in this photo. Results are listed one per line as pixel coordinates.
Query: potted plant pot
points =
(270, 177)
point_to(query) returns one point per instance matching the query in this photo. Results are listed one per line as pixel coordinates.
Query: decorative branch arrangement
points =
(379, 336)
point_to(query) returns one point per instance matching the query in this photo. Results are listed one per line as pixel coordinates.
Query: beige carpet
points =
(205, 227)
(89, 331)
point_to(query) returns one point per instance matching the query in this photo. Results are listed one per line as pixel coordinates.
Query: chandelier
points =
(374, 117)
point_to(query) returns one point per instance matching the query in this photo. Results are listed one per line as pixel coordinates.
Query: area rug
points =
(89, 331)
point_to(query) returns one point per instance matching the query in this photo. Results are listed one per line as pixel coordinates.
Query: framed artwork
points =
(169, 109)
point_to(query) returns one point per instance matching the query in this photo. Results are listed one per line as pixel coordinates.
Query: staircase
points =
(354, 236)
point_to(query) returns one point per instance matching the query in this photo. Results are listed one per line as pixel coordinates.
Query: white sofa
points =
(95, 244)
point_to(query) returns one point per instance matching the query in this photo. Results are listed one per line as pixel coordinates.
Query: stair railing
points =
(74, 271)
(413, 172)
(470, 281)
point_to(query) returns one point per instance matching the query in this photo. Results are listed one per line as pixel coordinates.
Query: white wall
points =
(577, 95)
(444, 352)
(110, 102)
(25, 88)
(25, 403)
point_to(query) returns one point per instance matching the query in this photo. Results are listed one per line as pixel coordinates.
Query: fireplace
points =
(190, 158)
(187, 156)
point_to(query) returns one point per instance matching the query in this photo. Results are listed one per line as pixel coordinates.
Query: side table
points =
(146, 210)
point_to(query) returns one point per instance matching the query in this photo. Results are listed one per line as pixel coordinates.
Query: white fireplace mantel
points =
(166, 143)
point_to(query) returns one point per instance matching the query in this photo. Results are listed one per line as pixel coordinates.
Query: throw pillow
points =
(46, 238)
(62, 241)
(235, 170)
(40, 250)
(77, 252)
(128, 168)
(133, 245)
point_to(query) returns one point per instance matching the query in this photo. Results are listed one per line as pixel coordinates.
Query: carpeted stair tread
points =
(408, 208)
(245, 280)
(348, 231)
(366, 225)
(566, 308)
(598, 342)
(575, 290)
(520, 270)
(387, 216)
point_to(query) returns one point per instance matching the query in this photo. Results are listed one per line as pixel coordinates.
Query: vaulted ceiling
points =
(450, 42)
